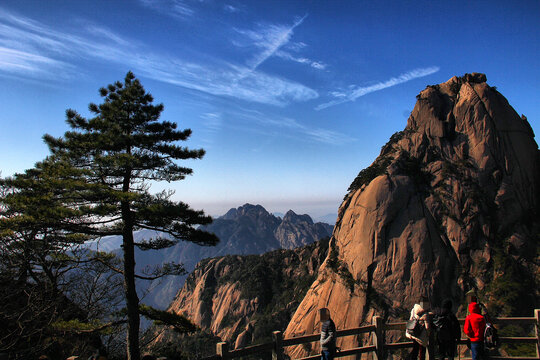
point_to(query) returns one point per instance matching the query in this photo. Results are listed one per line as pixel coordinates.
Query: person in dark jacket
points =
(474, 328)
(447, 329)
(328, 335)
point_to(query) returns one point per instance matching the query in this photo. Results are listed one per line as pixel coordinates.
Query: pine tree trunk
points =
(132, 300)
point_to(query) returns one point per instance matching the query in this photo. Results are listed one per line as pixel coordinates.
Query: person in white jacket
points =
(421, 338)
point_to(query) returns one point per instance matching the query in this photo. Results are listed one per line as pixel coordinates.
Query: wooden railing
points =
(378, 347)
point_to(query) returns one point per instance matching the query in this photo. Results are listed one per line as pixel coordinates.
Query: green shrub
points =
(368, 174)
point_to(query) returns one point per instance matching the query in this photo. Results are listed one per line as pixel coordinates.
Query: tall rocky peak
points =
(451, 204)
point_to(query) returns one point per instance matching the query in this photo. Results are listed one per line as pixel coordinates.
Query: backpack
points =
(443, 328)
(491, 337)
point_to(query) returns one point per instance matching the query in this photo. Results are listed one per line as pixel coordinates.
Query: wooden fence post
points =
(378, 337)
(277, 351)
(222, 349)
(537, 331)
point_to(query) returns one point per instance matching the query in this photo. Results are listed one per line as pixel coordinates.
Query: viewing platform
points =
(378, 347)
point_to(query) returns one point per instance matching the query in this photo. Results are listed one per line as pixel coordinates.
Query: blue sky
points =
(290, 99)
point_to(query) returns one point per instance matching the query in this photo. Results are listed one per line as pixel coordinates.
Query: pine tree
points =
(42, 215)
(118, 153)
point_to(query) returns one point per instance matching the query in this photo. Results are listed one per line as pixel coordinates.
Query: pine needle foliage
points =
(45, 215)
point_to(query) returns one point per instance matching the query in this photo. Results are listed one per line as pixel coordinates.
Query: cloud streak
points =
(290, 127)
(176, 8)
(17, 61)
(356, 92)
(31, 49)
(302, 60)
(271, 40)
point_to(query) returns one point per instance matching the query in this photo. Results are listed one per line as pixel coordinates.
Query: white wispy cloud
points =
(177, 8)
(29, 48)
(302, 60)
(212, 121)
(16, 61)
(286, 126)
(319, 135)
(356, 92)
(224, 79)
(231, 9)
(272, 40)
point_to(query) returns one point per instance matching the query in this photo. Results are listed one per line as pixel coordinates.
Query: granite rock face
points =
(451, 204)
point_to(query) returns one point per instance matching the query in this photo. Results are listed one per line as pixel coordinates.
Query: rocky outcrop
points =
(451, 204)
(242, 299)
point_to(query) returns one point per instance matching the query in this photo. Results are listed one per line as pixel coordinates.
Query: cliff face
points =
(244, 298)
(451, 204)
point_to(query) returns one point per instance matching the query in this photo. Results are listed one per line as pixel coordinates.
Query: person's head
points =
(474, 308)
(324, 314)
(418, 309)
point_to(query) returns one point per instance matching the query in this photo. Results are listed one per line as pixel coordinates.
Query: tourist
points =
(475, 325)
(419, 335)
(447, 330)
(328, 335)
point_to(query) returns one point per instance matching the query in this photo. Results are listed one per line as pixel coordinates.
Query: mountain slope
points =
(242, 299)
(451, 204)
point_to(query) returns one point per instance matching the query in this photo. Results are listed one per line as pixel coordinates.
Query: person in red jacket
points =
(474, 328)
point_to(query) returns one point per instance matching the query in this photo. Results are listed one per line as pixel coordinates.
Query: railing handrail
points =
(378, 328)
(339, 333)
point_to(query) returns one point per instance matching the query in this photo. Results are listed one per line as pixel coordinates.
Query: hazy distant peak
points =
(246, 209)
(291, 216)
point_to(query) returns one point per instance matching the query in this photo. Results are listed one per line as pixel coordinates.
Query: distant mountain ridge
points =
(246, 230)
(240, 226)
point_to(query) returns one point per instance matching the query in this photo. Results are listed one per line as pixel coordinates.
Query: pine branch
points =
(179, 323)
(79, 327)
